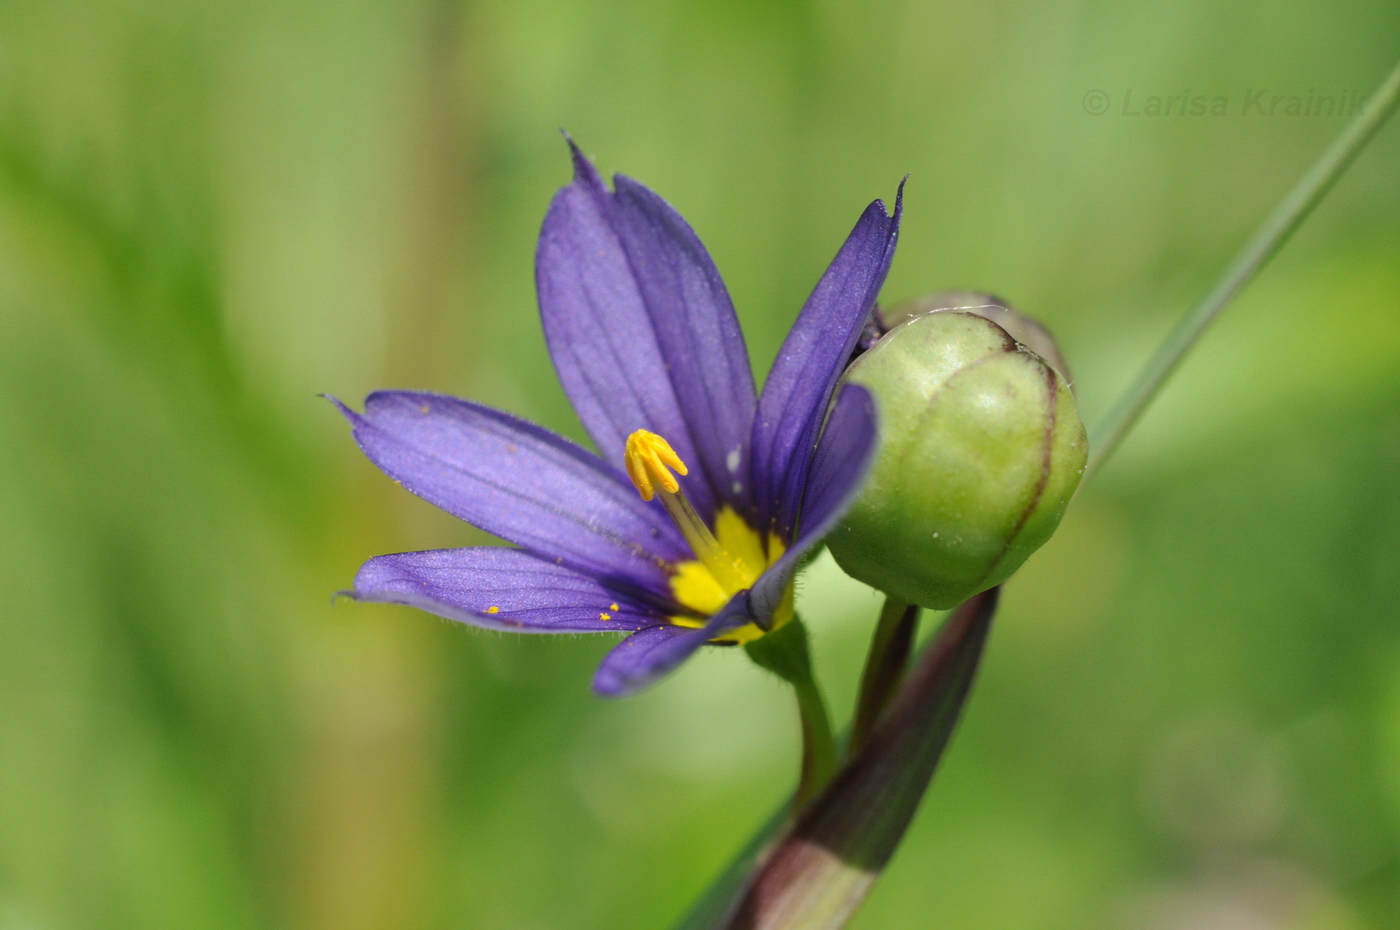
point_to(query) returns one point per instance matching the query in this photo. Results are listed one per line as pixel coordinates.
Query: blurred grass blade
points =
(717, 903)
(1267, 240)
(823, 868)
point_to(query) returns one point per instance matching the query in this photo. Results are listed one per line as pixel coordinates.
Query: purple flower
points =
(728, 489)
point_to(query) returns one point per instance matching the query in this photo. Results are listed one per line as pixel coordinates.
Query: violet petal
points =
(643, 333)
(596, 325)
(501, 589)
(842, 459)
(521, 482)
(698, 334)
(805, 373)
(648, 655)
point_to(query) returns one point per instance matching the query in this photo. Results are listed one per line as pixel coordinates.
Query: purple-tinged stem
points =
(885, 666)
(822, 869)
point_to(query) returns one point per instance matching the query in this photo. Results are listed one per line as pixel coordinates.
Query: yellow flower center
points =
(728, 559)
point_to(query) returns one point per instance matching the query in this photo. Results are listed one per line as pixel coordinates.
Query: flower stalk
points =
(823, 867)
(786, 654)
(885, 666)
(818, 873)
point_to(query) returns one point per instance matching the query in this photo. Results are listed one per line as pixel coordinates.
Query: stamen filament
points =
(711, 554)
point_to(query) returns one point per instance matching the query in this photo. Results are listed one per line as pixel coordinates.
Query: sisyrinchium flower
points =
(688, 526)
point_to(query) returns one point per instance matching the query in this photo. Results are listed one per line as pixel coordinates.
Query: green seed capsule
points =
(981, 449)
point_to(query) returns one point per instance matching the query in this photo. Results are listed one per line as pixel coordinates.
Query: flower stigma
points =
(729, 558)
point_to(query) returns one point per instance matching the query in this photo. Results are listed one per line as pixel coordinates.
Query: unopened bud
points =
(1026, 330)
(980, 450)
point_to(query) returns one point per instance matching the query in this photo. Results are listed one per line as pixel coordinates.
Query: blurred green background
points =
(1189, 715)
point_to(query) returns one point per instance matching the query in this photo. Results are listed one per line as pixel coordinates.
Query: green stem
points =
(885, 666)
(785, 653)
(826, 863)
(1266, 242)
(818, 745)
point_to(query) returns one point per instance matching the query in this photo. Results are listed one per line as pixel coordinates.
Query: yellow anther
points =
(649, 460)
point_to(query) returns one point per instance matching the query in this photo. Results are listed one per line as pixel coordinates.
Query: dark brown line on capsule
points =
(1047, 452)
(927, 413)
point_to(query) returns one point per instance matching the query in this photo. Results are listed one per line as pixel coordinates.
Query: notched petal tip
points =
(894, 219)
(585, 171)
(898, 206)
(800, 385)
(340, 405)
